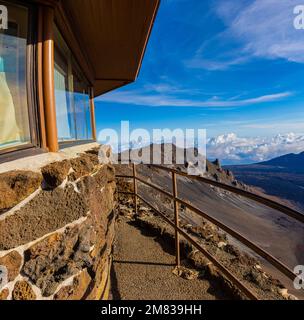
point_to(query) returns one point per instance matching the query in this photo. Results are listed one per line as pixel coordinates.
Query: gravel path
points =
(142, 270)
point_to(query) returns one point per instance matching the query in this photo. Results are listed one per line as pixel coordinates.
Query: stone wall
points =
(57, 226)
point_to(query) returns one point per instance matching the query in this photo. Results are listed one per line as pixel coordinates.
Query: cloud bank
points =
(231, 149)
(159, 99)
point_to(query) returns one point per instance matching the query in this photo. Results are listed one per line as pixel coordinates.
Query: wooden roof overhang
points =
(108, 37)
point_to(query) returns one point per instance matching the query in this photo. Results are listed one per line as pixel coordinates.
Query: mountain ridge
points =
(292, 162)
(282, 177)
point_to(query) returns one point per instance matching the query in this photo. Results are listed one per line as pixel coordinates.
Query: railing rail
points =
(178, 231)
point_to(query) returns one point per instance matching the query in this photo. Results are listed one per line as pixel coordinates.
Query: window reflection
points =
(72, 95)
(14, 117)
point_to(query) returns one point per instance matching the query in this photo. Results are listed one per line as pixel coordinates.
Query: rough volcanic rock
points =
(82, 166)
(94, 151)
(100, 269)
(23, 291)
(185, 273)
(111, 173)
(15, 186)
(4, 294)
(47, 212)
(198, 259)
(91, 187)
(101, 152)
(259, 279)
(77, 290)
(60, 256)
(93, 157)
(217, 163)
(208, 232)
(73, 225)
(233, 250)
(12, 262)
(55, 173)
(105, 174)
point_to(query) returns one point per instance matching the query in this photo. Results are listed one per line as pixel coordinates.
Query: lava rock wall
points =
(56, 230)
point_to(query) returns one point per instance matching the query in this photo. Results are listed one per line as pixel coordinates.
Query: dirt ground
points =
(142, 270)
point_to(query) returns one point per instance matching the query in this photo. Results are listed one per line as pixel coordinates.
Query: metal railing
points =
(178, 231)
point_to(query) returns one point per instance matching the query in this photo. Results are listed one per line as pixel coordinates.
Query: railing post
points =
(176, 219)
(135, 188)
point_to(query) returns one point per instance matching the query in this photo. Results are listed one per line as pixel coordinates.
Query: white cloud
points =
(266, 28)
(214, 65)
(233, 149)
(165, 100)
(259, 28)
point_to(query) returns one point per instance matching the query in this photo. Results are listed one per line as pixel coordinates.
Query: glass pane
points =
(82, 108)
(64, 91)
(64, 105)
(88, 118)
(72, 98)
(14, 117)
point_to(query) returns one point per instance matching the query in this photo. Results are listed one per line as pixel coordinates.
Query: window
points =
(15, 108)
(72, 95)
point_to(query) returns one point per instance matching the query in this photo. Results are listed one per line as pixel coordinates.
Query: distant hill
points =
(289, 162)
(282, 177)
(195, 163)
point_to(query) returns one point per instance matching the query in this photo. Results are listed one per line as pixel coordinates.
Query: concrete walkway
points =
(142, 270)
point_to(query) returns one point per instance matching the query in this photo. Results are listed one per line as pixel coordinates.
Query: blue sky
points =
(228, 66)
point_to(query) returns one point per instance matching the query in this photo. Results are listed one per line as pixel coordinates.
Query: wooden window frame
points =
(76, 66)
(34, 146)
(41, 107)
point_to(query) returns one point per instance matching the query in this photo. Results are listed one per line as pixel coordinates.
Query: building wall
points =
(57, 226)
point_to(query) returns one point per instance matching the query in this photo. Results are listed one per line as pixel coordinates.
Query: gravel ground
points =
(142, 270)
